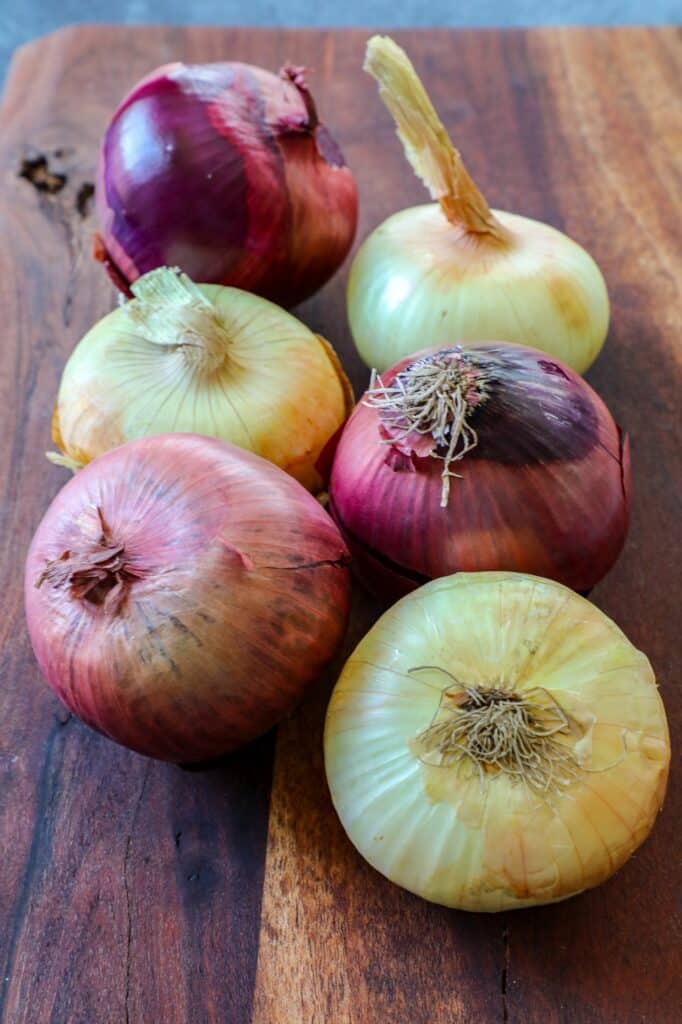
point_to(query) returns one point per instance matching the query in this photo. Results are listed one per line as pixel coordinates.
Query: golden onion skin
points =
(418, 277)
(545, 491)
(280, 392)
(495, 845)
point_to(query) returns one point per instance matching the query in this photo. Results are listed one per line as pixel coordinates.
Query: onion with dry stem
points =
(208, 360)
(228, 171)
(457, 271)
(495, 741)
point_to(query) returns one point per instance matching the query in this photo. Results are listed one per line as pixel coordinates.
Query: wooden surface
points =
(132, 892)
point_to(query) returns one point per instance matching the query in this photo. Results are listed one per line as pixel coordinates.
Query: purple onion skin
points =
(232, 594)
(546, 491)
(225, 171)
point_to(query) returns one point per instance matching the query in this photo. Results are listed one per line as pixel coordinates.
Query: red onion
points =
(181, 593)
(485, 458)
(225, 171)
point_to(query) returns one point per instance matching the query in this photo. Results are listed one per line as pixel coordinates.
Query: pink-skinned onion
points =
(225, 171)
(182, 593)
(527, 471)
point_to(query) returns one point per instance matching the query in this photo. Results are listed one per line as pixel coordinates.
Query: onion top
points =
(495, 741)
(458, 271)
(208, 360)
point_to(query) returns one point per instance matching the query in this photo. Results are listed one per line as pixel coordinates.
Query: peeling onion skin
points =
(242, 599)
(225, 171)
(441, 835)
(545, 491)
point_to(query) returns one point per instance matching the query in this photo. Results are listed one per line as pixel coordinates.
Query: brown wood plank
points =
(132, 891)
(129, 890)
(576, 128)
(610, 107)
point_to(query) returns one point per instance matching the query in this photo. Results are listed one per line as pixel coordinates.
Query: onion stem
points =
(427, 145)
(100, 572)
(169, 309)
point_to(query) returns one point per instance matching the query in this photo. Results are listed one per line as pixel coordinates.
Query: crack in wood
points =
(41, 842)
(49, 184)
(129, 926)
(74, 250)
(126, 892)
(504, 981)
(84, 197)
(37, 171)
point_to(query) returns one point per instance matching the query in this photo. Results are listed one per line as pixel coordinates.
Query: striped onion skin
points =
(277, 389)
(494, 844)
(239, 596)
(546, 490)
(225, 171)
(417, 276)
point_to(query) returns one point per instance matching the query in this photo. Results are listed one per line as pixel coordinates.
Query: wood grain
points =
(134, 893)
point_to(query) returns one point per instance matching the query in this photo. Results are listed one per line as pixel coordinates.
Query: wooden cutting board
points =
(132, 892)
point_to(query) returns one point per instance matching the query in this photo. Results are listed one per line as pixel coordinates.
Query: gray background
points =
(21, 20)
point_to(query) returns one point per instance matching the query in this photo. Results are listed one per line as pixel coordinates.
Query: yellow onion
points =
(457, 271)
(227, 170)
(495, 741)
(203, 359)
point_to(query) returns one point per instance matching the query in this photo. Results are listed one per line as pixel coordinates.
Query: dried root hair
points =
(500, 732)
(434, 396)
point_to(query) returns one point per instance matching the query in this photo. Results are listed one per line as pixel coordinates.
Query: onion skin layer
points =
(495, 846)
(242, 597)
(546, 491)
(418, 276)
(225, 171)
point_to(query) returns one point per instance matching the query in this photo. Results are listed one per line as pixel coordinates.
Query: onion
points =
(457, 270)
(226, 171)
(495, 741)
(487, 457)
(205, 360)
(182, 593)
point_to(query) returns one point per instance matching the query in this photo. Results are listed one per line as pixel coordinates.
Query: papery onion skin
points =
(239, 596)
(225, 171)
(279, 391)
(459, 271)
(491, 844)
(545, 491)
(416, 277)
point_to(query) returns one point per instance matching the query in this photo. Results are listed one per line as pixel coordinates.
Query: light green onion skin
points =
(419, 281)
